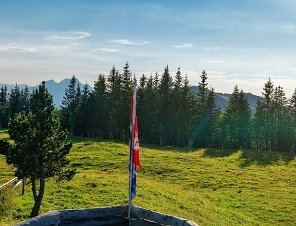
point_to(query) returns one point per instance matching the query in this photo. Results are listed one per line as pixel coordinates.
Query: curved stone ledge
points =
(113, 215)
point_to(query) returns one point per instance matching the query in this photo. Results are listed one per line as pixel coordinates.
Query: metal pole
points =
(130, 185)
(131, 154)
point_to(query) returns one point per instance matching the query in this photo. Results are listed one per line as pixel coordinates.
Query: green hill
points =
(211, 187)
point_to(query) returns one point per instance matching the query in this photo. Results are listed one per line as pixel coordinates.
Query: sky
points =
(237, 42)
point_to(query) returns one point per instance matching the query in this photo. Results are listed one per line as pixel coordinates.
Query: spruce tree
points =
(4, 107)
(165, 101)
(140, 99)
(150, 112)
(202, 88)
(126, 91)
(293, 115)
(114, 98)
(25, 100)
(268, 92)
(244, 121)
(14, 101)
(177, 101)
(282, 132)
(189, 113)
(69, 105)
(82, 114)
(237, 121)
(258, 124)
(99, 110)
(201, 134)
(212, 112)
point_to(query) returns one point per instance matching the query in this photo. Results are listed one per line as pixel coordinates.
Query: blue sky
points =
(236, 42)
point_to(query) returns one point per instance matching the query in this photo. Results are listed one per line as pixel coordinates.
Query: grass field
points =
(211, 187)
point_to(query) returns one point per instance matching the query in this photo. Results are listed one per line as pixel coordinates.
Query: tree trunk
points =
(23, 186)
(37, 198)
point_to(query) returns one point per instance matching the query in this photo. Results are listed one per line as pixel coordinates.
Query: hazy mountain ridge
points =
(223, 98)
(57, 89)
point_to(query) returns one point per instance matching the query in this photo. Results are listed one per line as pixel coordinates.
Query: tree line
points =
(169, 113)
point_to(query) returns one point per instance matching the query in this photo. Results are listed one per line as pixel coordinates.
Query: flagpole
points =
(130, 181)
(131, 165)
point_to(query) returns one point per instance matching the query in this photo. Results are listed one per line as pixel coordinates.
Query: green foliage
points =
(274, 122)
(40, 147)
(202, 88)
(4, 107)
(169, 113)
(70, 105)
(236, 125)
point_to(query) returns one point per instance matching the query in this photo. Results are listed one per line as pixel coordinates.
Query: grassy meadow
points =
(210, 187)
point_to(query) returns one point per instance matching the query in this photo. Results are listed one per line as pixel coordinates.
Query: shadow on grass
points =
(251, 157)
(263, 158)
(215, 153)
(247, 157)
(169, 148)
(78, 139)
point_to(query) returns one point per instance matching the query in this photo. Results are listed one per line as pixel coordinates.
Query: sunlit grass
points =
(211, 187)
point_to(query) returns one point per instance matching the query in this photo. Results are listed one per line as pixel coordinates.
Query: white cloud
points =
(128, 42)
(183, 45)
(289, 28)
(69, 36)
(213, 61)
(39, 48)
(16, 48)
(214, 48)
(109, 50)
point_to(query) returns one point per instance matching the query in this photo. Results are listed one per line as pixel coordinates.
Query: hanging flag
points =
(134, 146)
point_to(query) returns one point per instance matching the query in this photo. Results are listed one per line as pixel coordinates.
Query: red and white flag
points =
(134, 145)
(134, 137)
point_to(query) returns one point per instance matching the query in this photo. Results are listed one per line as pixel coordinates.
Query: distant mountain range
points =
(57, 89)
(223, 98)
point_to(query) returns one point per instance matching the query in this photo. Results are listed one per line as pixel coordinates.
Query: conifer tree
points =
(82, 115)
(202, 88)
(177, 120)
(114, 97)
(4, 107)
(69, 105)
(282, 133)
(140, 99)
(244, 121)
(189, 113)
(212, 112)
(293, 115)
(99, 110)
(201, 130)
(237, 120)
(150, 112)
(165, 101)
(40, 146)
(268, 92)
(127, 87)
(25, 100)
(258, 124)
(14, 101)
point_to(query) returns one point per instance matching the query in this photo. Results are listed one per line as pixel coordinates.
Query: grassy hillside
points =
(211, 187)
